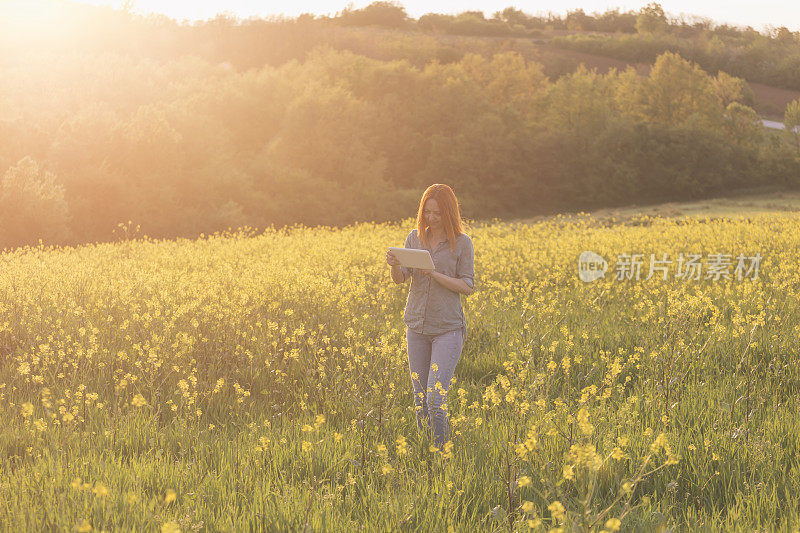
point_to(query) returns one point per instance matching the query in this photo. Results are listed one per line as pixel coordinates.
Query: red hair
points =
(450, 213)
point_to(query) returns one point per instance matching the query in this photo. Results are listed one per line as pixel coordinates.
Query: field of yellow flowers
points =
(258, 381)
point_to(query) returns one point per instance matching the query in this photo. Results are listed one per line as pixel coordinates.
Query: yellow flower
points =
(612, 524)
(524, 481)
(170, 496)
(521, 450)
(527, 507)
(434, 367)
(556, 509)
(100, 490)
(83, 527)
(583, 422)
(387, 468)
(594, 462)
(659, 443)
(307, 446)
(478, 421)
(138, 401)
(448, 450)
(568, 472)
(27, 409)
(402, 445)
(170, 527)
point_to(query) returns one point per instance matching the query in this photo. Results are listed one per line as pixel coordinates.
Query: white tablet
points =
(413, 258)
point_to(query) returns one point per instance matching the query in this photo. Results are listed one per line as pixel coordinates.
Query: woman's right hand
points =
(392, 259)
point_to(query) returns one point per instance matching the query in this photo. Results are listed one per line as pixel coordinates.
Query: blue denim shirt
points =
(431, 308)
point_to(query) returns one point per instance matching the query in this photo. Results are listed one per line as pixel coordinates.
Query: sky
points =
(758, 14)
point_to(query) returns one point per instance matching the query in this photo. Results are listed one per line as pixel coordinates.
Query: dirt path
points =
(747, 202)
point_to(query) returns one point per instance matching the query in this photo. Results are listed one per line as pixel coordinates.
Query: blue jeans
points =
(433, 359)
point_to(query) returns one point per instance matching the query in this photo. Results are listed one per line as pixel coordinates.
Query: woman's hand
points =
(392, 259)
(398, 275)
(426, 272)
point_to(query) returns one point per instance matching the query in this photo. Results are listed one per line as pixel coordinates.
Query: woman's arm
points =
(454, 284)
(464, 280)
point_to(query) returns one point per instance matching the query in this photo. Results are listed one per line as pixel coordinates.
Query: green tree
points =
(791, 120)
(506, 78)
(578, 20)
(732, 89)
(381, 13)
(326, 133)
(651, 19)
(784, 35)
(32, 206)
(677, 90)
(580, 103)
(629, 94)
(514, 16)
(743, 125)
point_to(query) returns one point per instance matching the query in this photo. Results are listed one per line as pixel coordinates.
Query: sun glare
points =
(33, 19)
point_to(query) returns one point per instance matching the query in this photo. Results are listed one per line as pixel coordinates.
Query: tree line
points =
(771, 57)
(194, 143)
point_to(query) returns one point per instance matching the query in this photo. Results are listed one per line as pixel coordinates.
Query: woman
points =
(435, 322)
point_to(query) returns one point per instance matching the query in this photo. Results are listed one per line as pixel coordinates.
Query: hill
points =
(183, 130)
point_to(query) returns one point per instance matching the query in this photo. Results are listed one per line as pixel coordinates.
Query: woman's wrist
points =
(397, 274)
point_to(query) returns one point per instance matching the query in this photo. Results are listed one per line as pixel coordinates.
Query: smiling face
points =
(432, 214)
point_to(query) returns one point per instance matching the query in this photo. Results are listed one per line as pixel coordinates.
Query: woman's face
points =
(430, 211)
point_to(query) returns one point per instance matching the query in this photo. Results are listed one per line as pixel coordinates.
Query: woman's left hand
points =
(426, 272)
